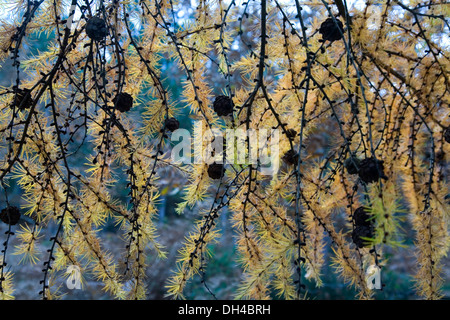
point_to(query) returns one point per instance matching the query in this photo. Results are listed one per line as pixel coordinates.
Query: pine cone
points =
(96, 28)
(447, 134)
(223, 105)
(330, 31)
(352, 165)
(290, 157)
(363, 227)
(215, 170)
(291, 133)
(10, 215)
(361, 217)
(22, 99)
(172, 124)
(370, 170)
(123, 102)
(362, 232)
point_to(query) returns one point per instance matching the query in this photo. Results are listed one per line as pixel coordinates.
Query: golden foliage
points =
(381, 91)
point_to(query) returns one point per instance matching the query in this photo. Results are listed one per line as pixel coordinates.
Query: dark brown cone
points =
(172, 124)
(361, 217)
(10, 215)
(22, 99)
(363, 227)
(215, 170)
(330, 31)
(290, 157)
(362, 232)
(370, 170)
(447, 134)
(223, 105)
(96, 28)
(123, 102)
(352, 165)
(291, 133)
